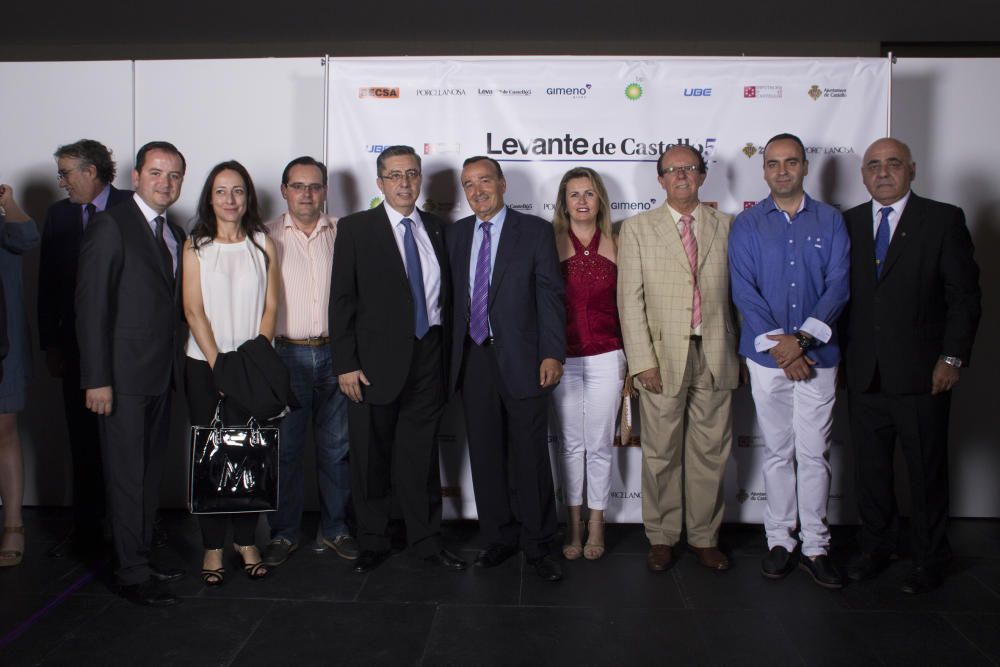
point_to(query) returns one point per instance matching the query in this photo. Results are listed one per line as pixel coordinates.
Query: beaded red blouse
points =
(592, 325)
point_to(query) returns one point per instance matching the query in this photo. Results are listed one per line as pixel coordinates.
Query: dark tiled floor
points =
(315, 611)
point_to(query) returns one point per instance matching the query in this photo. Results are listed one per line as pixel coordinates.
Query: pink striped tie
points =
(691, 250)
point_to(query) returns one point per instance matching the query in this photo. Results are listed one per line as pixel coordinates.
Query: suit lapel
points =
(147, 242)
(906, 230)
(385, 237)
(863, 243)
(706, 235)
(665, 228)
(505, 251)
(463, 246)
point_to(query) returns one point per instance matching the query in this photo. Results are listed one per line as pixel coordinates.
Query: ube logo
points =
(697, 92)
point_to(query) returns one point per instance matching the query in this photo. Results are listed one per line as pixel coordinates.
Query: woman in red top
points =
(588, 397)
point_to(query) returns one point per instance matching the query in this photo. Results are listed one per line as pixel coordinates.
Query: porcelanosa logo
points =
(757, 91)
(440, 92)
(577, 92)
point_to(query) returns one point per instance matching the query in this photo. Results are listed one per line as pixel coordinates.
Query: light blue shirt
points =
(477, 241)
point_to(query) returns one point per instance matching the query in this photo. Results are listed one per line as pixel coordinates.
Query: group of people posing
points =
(381, 316)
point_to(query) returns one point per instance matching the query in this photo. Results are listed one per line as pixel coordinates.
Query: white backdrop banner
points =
(541, 117)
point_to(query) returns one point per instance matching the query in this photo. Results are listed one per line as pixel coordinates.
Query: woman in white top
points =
(230, 296)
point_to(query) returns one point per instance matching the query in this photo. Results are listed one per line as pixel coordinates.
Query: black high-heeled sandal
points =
(256, 570)
(213, 577)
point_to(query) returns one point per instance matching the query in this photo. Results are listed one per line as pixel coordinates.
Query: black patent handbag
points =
(233, 468)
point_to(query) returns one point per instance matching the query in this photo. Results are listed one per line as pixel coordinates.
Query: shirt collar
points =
(395, 217)
(805, 204)
(100, 202)
(695, 214)
(147, 212)
(497, 219)
(324, 221)
(896, 206)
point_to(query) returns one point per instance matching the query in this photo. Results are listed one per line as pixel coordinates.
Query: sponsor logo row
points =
(633, 91)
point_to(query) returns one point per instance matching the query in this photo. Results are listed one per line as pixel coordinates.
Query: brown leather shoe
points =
(711, 557)
(659, 557)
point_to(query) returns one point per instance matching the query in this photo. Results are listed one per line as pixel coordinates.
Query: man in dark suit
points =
(130, 329)
(86, 171)
(389, 310)
(908, 329)
(509, 345)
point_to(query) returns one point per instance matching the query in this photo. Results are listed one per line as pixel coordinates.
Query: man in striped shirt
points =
(304, 237)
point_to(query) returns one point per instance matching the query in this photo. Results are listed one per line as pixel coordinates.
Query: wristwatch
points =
(951, 361)
(804, 341)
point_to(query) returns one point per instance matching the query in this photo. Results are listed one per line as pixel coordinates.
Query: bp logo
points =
(633, 91)
(374, 202)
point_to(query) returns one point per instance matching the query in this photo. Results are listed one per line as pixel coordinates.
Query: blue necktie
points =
(479, 319)
(415, 276)
(882, 240)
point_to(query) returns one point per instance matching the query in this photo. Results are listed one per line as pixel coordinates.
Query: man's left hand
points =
(945, 377)
(786, 351)
(549, 372)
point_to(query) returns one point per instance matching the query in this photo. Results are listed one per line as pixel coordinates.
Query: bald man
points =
(907, 333)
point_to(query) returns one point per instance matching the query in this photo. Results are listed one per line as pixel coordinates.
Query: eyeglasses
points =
(398, 176)
(63, 173)
(314, 188)
(687, 169)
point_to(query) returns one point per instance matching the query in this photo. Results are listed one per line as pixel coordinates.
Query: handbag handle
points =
(217, 420)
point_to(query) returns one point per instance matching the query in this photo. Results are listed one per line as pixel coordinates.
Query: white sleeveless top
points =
(233, 288)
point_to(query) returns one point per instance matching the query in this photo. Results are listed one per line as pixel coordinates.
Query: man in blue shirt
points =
(789, 262)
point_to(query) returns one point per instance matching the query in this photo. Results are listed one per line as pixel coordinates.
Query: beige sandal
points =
(12, 557)
(593, 550)
(573, 550)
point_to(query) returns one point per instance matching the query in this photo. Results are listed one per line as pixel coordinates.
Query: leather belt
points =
(306, 342)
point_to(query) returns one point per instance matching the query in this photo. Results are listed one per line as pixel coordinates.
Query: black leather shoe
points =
(822, 571)
(921, 580)
(150, 593)
(866, 565)
(494, 555)
(165, 574)
(160, 538)
(369, 560)
(547, 568)
(777, 563)
(447, 560)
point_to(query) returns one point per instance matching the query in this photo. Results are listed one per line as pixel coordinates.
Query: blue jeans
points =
(316, 389)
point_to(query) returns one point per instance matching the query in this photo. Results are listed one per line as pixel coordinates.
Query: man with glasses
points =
(789, 259)
(85, 170)
(673, 260)
(304, 238)
(389, 310)
(908, 329)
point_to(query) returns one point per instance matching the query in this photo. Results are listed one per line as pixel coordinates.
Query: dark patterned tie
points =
(479, 321)
(415, 276)
(161, 243)
(89, 212)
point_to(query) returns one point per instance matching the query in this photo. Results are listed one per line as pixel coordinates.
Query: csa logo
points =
(375, 201)
(749, 150)
(633, 91)
(378, 92)
(815, 92)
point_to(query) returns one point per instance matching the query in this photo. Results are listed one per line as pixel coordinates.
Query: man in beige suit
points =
(680, 340)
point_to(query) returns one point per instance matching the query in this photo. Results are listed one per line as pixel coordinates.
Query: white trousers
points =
(586, 402)
(796, 420)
